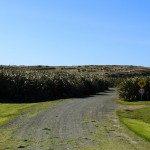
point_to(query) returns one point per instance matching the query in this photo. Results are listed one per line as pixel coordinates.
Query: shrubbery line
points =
(34, 86)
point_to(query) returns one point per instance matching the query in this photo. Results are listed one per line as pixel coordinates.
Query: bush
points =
(128, 89)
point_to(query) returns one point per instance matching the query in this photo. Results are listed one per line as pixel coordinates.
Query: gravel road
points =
(78, 123)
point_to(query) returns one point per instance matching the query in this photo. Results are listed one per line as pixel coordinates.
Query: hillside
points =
(103, 70)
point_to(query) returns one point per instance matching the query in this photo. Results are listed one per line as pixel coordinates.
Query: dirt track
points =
(79, 123)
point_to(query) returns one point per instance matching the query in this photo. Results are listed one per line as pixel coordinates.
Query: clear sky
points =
(75, 32)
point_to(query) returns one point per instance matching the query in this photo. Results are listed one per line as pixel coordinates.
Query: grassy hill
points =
(103, 70)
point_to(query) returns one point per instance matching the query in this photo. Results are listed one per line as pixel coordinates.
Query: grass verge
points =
(139, 127)
(9, 111)
(137, 120)
(133, 103)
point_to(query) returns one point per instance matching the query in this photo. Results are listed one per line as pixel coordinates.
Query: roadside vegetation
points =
(135, 115)
(136, 103)
(9, 111)
(137, 119)
(36, 86)
(128, 89)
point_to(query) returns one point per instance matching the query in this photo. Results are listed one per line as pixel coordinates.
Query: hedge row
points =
(34, 86)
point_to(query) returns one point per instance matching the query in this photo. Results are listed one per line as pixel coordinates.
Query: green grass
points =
(9, 111)
(139, 127)
(133, 103)
(137, 120)
(139, 114)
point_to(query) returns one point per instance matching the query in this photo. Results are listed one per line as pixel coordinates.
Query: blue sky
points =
(75, 32)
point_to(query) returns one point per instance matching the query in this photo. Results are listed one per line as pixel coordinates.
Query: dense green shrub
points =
(115, 81)
(128, 89)
(30, 86)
